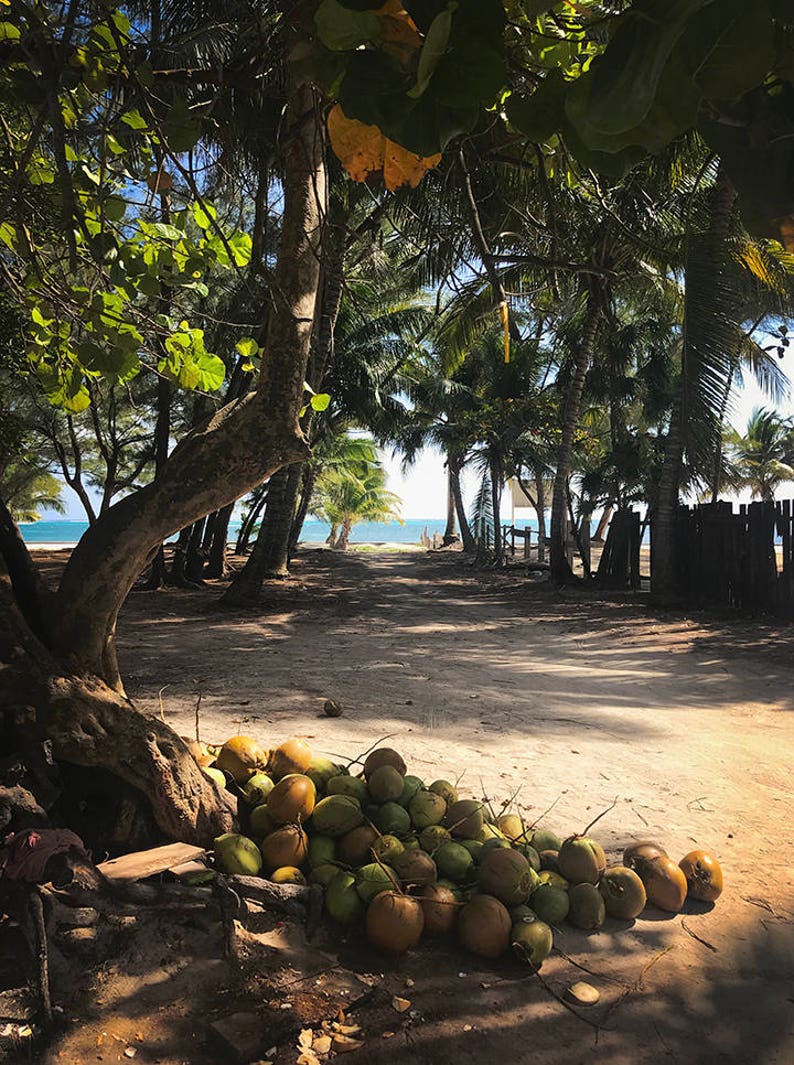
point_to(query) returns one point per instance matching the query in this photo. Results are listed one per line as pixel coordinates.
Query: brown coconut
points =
(506, 874)
(384, 756)
(292, 799)
(484, 926)
(440, 908)
(286, 846)
(240, 757)
(354, 848)
(394, 922)
(415, 868)
(665, 884)
(293, 756)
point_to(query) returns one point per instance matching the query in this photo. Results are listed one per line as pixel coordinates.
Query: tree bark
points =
(450, 536)
(496, 506)
(344, 536)
(236, 449)
(217, 567)
(540, 510)
(469, 543)
(333, 536)
(250, 520)
(560, 569)
(308, 481)
(603, 523)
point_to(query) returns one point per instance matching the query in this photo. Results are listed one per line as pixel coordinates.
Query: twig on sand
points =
(636, 986)
(361, 757)
(694, 935)
(198, 714)
(160, 701)
(591, 972)
(602, 814)
(571, 1009)
(548, 811)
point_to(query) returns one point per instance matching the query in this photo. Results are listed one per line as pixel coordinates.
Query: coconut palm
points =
(353, 489)
(762, 458)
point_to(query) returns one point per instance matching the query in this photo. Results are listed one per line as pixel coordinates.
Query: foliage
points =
(762, 458)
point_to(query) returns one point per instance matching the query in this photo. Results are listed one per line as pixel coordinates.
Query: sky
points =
(423, 488)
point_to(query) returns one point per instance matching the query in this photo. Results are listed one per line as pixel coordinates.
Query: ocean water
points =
(314, 532)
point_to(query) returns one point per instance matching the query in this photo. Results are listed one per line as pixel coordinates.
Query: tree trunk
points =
(176, 576)
(331, 538)
(308, 479)
(496, 504)
(450, 536)
(80, 702)
(269, 558)
(603, 523)
(560, 569)
(469, 543)
(250, 520)
(665, 586)
(344, 536)
(217, 568)
(194, 557)
(540, 510)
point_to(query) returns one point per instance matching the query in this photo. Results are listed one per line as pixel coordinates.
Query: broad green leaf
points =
(729, 47)
(241, 246)
(115, 208)
(542, 114)
(9, 32)
(212, 372)
(341, 29)
(203, 215)
(134, 119)
(8, 234)
(162, 229)
(433, 49)
(247, 347)
(320, 401)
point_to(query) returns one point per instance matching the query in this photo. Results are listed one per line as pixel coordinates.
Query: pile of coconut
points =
(406, 860)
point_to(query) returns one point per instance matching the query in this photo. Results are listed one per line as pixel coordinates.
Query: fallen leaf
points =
(347, 1029)
(400, 1004)
(343, 1043)
(322, 1044)
(305, 1038)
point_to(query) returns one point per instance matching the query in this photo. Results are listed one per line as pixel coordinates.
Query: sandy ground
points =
(563, 700)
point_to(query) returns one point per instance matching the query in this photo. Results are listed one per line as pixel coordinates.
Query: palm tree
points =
(762, 458)
(353, 489)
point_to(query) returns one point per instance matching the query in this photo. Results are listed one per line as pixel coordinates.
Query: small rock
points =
(583, 994)
(332, 709)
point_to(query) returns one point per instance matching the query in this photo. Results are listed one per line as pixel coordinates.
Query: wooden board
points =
(142, 864)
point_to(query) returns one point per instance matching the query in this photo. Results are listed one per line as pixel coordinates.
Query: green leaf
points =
(134, 119)
(542, 114)
(8, 234)
(320, 401)
(241, 246)
(247, 347)
(433, 49)
(162, 229)
(729, 47)
(9, 32)
(115, 208)
(212, 372)
(341, 29)
(182, 127)
(203, 215)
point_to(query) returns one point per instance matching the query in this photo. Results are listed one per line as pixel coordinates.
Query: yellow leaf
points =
(399, 36)
(365, 152)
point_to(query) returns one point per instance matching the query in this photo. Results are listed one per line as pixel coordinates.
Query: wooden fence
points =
(733, 560)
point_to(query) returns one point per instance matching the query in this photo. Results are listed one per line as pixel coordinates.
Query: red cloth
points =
(24, 855)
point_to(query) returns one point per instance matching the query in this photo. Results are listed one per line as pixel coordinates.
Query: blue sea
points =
(314, 532)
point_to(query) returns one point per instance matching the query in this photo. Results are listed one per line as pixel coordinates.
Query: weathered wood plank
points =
(142, 864)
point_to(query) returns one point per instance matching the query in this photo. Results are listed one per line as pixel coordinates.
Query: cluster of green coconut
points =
(407, 860)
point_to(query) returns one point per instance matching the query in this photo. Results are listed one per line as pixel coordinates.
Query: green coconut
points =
(322, 849)
(447, 791)
(548, 876)
(426, 808)
(513, 827)
(587, 909)
(257, 788)
(392, 819)
(383, 756)
(374, 878)
(386, 849)
(623, 893)
(355, 847)
(496, 841)
(342, 784)
(453, 861)
(530, 854)
(410, 843)
(323, 874)
(474, 847)
(342, 900)
(385, 784)
(215, 774)
(506, 875)
(464, 819)
(320, 771)
(490, 830)
(415, 868)
(522, 913)
(581, 860)
(440, 907)
(411, 785)
(531, 941)
(550, 903)
(543, 839)
(484, 926)
(238, 855)
(337, 815)
(433, 837)
(261, 822)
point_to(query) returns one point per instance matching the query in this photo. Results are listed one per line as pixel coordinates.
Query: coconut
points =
(664, 883)
(506, 875)
(587, 910)
(703, 875)
(447, 791)
(383, 756)
(236, 854)
(392, 819)
(522, 913)
(581, 860)
(386, 849)
(623, 893)
(214, 774)
(322, 849)
(530, 854)
(484, 926)
(531, 941)
(257, 789)
(260, 822)
(465, 819)
(373, 878)
(320, 772)
(456, 889)
(548, 876)
(453, 861)
(341, 898)
(512, 826)
(410, 787)
(331, 708)
(474, 847)
(440, 907)
(323, 874)
(240, 757)
(394, 922)
(427, 808)
(385, 784)
(549, 860)
(336, 815)
(292, 799)
(200, 752)
(642, 849)
(543, 839)
(410, 843)
(490, 831)
(355, 846)
(293, 756)
(415, 868)
(496, 842)
(286, 846)
(288, 874)
(433, 837)
(342, 784)
(550, 903)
